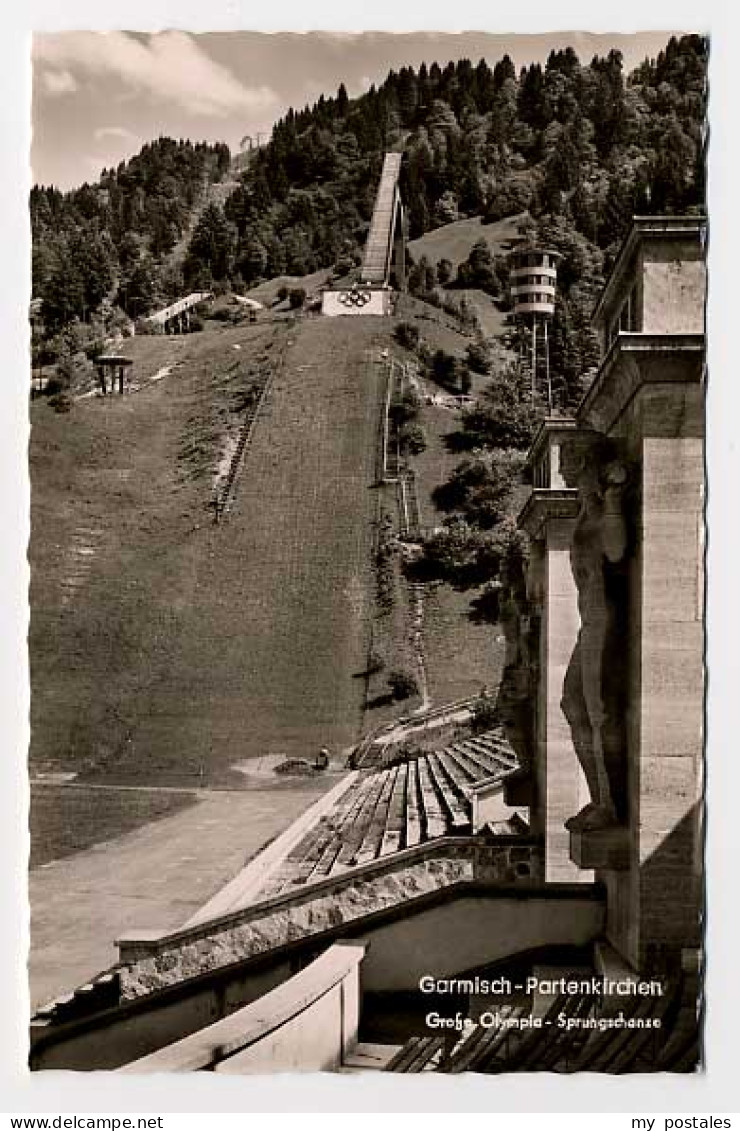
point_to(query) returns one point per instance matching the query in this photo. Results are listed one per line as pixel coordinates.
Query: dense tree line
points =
(578, 150)
(579, 147)
(584, 140)
(108, 239)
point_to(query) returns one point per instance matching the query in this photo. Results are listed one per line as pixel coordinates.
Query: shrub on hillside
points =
(462, 311)
(296, 298)
(343, 266)
(402, 684)
(480, 489)
(484, 715)
(413, 440)
(422, 277)
(196, 324)
(447, 370)
(478, 357)
(61, 402)
(502, 417)
(404, 409)
(94, 349)
(407, 335)
(478, 270)
(457, 553)
(444, 271)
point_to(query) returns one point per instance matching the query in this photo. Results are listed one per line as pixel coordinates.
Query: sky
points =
(99, 96)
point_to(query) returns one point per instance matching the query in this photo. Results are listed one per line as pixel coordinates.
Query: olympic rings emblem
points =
(355, 298)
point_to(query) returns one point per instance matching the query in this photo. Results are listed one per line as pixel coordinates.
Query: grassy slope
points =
(492, 320)
(461, 656)
(118, 489)
(167, 650)
(454, 241)
(275, 626)
(65, 819)
(161, 643)
(266, 293)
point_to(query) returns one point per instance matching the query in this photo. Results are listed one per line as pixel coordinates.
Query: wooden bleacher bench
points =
(472, 766)
(413, 819)
(482, 1046)
(460, 775)
(417, 1055)
(373, 838)
(458, 811)
(355, 833)
(435, 821)
(519, 1047)
(648, 1040)
(395, 817)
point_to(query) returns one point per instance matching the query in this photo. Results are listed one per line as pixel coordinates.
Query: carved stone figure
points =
(594, 683)
(519, 626)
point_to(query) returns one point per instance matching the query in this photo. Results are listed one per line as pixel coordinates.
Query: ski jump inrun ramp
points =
(386, 224)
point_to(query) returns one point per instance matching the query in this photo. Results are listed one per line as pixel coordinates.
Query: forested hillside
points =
(585, 142)
(110, 238)
(578, 148)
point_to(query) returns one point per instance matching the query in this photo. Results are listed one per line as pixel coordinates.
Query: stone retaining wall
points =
(149, 964)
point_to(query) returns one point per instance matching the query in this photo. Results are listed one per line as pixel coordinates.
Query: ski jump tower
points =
(384, 265)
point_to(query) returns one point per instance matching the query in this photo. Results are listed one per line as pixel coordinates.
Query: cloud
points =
(115, 133)
(168, 66)
(58, 82)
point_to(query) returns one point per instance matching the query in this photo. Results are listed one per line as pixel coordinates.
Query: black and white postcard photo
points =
(366, 388)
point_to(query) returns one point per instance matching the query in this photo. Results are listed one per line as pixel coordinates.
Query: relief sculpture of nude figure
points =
(599, 537)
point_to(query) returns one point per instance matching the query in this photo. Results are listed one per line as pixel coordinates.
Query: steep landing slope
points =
(165, 649)
(279, 600)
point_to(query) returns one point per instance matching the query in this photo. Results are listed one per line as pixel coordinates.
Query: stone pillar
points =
(651, 399)
(561, 789)
(668, 787)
